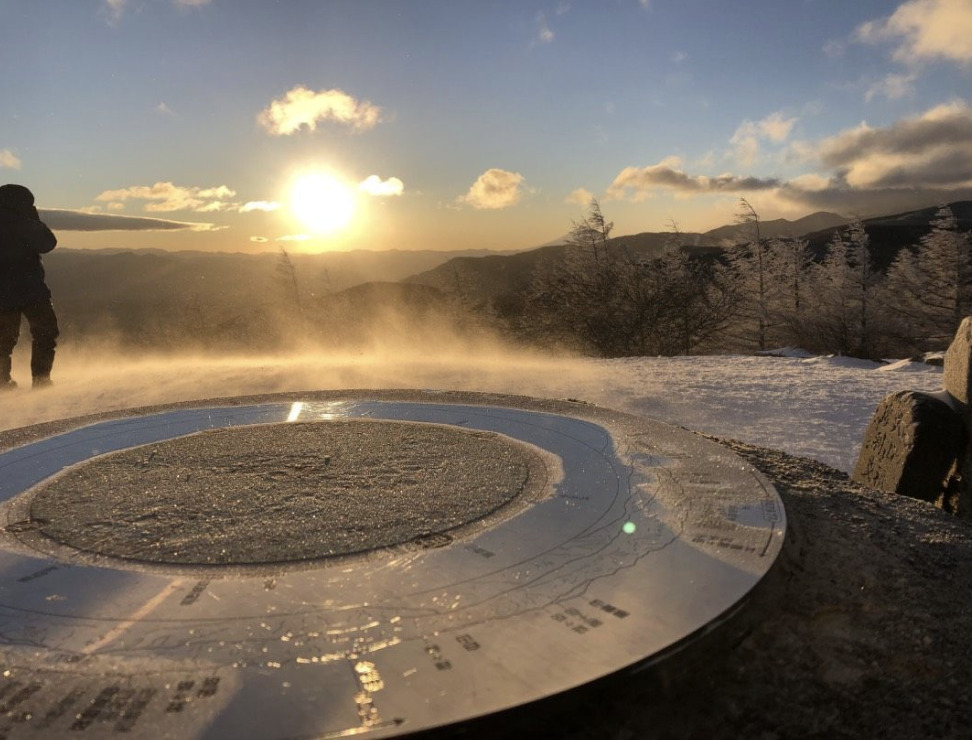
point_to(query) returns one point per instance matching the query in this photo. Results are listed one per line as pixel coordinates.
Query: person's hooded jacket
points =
(23, 239)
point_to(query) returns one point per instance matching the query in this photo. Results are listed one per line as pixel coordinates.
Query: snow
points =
(903, 366)
(814, 407)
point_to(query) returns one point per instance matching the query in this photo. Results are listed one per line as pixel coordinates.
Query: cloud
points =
(259, 239)
(164, 110)
(892, 87)
(544, 34)
(68, 220)
(165, 197)
(914, 162)
(294, 238)
(301, 107)
(259, 205)
(835, 48)
(646, 4)
(9, 160)
(639, 183)
(930, 150)
(925, 30)
(374, 185)
(113, 10)
(774, 128)
(580, 197)
(494, 189)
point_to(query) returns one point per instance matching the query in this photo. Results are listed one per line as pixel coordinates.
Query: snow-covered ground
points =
(810, 406)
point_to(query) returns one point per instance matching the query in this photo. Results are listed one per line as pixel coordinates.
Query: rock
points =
(913, 442)
(957, 499)
(958, 364)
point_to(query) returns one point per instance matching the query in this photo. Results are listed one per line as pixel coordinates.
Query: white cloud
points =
(925, 30)
(165, 197)
(810, 182)
(544, 34)
(746, 149)
(892, 87)
(646, 4)
(259, 205)
(563, 7)
(301, 107)
(679, 56)
(580, 197)
(835, 48)
(9, 160)
(494, 189)
(774, 128)
(164, 110)
(114, 9)
(374, 185)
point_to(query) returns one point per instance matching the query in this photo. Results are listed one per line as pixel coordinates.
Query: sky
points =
(318, 125)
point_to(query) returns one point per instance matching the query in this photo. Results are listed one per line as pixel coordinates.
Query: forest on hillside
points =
(594, 295)
(756, 294)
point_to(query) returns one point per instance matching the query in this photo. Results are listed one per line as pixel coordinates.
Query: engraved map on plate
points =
(632, 537)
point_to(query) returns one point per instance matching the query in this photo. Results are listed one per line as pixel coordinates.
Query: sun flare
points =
(322, 203)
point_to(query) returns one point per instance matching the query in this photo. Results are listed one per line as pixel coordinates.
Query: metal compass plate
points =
(647, 535)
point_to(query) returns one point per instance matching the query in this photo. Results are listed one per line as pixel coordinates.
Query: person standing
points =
(23, 292)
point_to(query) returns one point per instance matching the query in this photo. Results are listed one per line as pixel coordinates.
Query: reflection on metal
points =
(295, 410)
(651, 535)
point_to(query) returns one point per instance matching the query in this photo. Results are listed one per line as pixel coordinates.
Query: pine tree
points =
(790, 272)
(929, 286)
(863, 284)
(846, 318)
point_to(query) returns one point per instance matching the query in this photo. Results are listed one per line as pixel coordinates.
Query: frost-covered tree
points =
(929, 286)
(789, 269)
(748, 272)
(601, 298)
(846, 318)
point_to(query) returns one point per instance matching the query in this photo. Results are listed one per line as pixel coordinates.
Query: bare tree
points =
(288, 273)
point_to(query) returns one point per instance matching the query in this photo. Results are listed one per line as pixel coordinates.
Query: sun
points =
(322, 202)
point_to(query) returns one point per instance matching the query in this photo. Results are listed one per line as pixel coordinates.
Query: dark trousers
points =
(43, 331)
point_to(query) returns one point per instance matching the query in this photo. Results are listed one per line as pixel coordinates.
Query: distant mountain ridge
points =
(500, 278)
(782, 227)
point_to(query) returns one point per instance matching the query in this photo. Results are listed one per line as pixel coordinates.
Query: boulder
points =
(911, 446)
(958, 364)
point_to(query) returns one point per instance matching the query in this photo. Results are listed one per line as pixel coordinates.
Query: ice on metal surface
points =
(649, 535)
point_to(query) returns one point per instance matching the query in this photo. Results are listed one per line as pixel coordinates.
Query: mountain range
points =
(95, 289)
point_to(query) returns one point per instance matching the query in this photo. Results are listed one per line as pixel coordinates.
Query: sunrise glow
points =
(322, 203)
